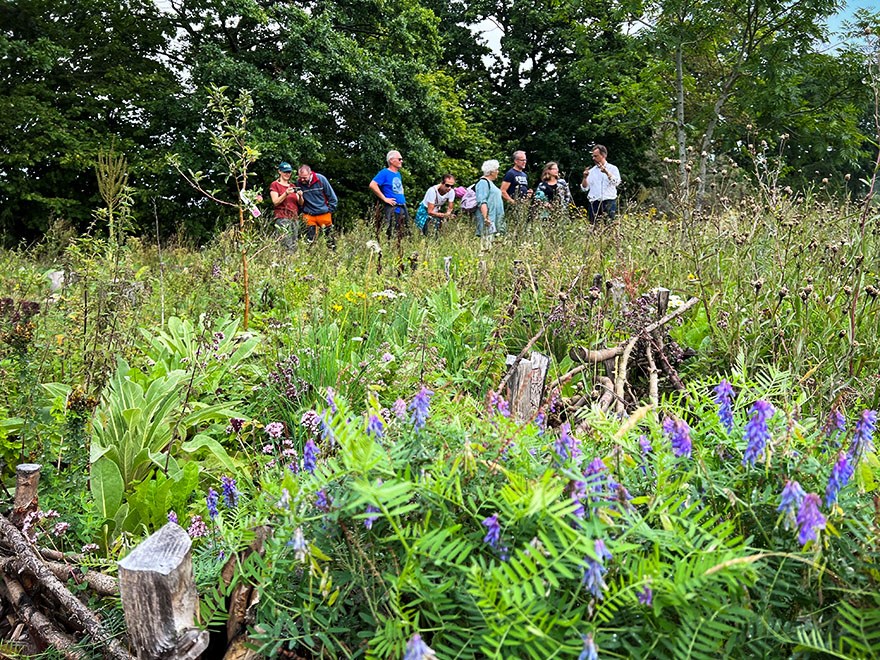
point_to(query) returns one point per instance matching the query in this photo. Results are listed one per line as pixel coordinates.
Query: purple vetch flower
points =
(647, 450)
(836, 423)
(416, 649)
(172, 517)
(541, 421)
(211, 500)
(399, 409)
(579, 495)
(370, 519)
(757, 434)
(299, 544)
(590, 652)
(274, 430)
(809, 518)
(376, 427)
(197, 528)
(724, 396)
(310, 456)
(230, 492)
(567, 446)
(646, 595)
(679, 434)
(863, 436)
(331, 400)
(493, 533)
(841, 473)
(790, 502)
(419, 407)
(595, 569)
(321, 501)
(499, 403)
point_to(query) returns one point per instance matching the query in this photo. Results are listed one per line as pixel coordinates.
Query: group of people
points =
(312, 196)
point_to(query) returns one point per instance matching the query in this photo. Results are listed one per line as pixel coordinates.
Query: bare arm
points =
(504, 194)
(378, 192)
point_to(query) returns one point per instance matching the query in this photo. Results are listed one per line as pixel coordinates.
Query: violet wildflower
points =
(647, 450)
(399, 409)
(310, 456)
(331, 400)
(321, 501)
(274, 430)
(790, 502)
(590, 652)
(809, 518)
(679, 436)
(541, 421)
(370, 519)
(211, 500)
(836, 423)
(230, 492)
(236, 424)
(499, 403)
(387, 357)
(419, 407)
(197, 528)
(646, 595)
(841, 473)
(579, 495)
(376, 427)
(757, 434)
(567, 446)
(416, 649)
(60, 528)
(172, 517)
(863, 435)
(493, 533)
(595, 570)
(299, 544)
(724, 395)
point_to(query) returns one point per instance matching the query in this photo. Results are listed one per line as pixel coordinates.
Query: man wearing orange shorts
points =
(319, 202)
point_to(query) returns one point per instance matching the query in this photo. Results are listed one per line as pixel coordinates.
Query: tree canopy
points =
(338, 84)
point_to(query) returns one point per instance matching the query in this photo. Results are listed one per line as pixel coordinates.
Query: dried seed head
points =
(783, 292)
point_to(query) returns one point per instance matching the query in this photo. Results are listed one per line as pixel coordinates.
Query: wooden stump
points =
(27, 484)
(525, 387)
(159, 597)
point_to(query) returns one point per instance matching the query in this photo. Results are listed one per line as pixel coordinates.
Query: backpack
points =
(469, 201)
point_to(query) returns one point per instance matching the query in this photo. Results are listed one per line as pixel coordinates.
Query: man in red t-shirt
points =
(287, 200)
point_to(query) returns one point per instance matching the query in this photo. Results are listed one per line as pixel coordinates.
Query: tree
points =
(77, 76)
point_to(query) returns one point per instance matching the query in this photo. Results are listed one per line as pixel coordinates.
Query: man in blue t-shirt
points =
(387, 185)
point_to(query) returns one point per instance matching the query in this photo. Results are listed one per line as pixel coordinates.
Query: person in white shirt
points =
(432, 204)
(600, 182)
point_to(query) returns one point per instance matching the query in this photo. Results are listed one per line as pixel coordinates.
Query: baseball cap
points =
(284, 166)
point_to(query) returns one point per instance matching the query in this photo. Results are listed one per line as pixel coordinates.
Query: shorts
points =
(323, 220)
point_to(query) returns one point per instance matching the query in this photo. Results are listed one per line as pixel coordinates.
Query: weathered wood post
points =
(27, 484)
(159, 597)
(526, 384)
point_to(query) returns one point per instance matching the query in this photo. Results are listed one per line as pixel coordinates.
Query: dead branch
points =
(39, 624)
(101, 584)
(80, 614)
(653, 393)
(518, 359)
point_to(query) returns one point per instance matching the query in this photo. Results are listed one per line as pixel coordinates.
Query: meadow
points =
(721, 504)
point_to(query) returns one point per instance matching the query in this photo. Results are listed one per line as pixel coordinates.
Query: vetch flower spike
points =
(420, 406)
(790, 501)
(809, 518)
(416, 649)
(841, 473)
(724, 396)
(757, 434)
(493, 533)
(590, 652)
